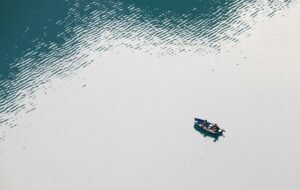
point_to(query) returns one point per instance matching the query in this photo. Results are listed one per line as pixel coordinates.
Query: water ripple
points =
(55, 47)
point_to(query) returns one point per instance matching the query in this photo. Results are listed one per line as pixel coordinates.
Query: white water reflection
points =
(126, 120)
(94, 28)
(130, 125)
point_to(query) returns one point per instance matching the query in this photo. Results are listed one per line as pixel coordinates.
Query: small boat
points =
(208, 129)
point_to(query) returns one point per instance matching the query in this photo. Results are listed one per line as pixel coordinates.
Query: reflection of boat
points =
(208, 129)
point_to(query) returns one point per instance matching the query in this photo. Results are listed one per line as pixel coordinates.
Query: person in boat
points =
(215, 128)
(205, 123)
(210, 126)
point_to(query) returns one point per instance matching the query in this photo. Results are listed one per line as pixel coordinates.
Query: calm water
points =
(102, 94)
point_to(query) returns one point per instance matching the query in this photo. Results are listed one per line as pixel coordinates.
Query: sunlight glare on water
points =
(61, 45)
(102, 94)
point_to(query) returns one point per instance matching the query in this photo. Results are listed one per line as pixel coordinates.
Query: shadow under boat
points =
(202, 129)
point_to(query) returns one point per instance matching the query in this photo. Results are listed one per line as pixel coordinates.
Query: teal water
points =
(41, 40)
(103, 94)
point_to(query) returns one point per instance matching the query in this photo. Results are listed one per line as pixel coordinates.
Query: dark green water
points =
(43, 39)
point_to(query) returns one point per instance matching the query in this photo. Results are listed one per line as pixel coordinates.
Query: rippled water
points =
(102, 94)
(52, 39)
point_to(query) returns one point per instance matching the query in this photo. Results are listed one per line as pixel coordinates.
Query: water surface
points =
(102, 94)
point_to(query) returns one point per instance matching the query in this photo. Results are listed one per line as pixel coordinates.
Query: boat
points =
(208, 129)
